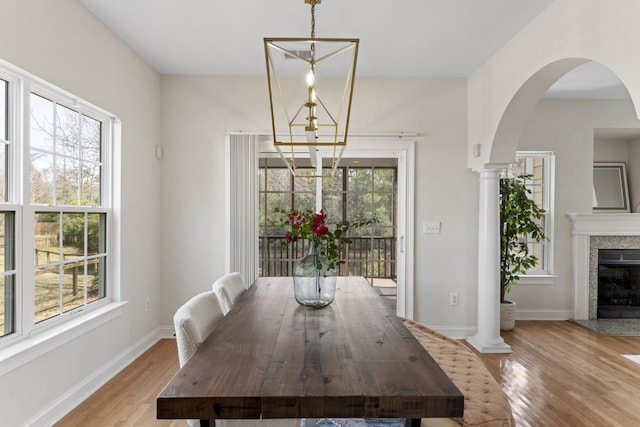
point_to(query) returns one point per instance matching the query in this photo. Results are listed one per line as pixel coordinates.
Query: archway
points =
(503, 149)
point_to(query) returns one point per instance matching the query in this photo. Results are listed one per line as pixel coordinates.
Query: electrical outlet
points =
(147, 304)
(454, 298)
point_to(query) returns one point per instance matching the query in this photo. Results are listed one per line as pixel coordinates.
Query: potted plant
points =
(520, 224)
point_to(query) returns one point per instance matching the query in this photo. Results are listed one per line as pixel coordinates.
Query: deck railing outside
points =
(365, 256)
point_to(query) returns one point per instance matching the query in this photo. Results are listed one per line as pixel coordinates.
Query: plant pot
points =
(507, 315)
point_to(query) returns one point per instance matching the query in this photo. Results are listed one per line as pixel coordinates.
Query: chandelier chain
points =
(313, 19)
(313, 28)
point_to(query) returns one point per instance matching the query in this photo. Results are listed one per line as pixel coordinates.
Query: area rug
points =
(352, 422)
(629, 327)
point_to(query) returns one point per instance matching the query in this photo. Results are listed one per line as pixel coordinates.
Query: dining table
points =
(271, 357)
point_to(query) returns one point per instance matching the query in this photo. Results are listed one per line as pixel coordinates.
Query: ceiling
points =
(401, 38)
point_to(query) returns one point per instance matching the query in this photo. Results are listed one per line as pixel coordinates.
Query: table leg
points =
(207, 423)
(412, 422)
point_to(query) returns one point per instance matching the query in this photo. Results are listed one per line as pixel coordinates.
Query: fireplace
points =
(618, 283)
(593, 233)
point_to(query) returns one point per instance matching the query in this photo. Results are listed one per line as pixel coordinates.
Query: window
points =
(353, 191)
(540, 166)
(54, 203)
(7, 225)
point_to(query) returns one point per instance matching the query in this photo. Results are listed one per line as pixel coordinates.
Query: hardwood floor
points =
(560, 374)
(129, 399)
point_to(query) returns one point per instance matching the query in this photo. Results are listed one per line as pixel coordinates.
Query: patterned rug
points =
(352, 422)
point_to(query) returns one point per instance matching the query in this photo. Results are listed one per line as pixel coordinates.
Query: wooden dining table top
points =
(270, 357)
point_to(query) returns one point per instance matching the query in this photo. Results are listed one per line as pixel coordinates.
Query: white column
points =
(488, 339)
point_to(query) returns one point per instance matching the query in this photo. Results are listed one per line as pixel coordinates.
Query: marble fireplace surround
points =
(591, 232)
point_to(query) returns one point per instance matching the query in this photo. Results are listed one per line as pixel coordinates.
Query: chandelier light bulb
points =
(311, 78)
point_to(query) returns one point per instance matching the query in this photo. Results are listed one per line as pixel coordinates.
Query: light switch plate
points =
(431, 227)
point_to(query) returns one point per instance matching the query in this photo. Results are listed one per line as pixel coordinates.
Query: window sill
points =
(537, 279)
(39, 343)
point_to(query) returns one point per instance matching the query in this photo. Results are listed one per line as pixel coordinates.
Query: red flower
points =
(289, 238)
(318, 226)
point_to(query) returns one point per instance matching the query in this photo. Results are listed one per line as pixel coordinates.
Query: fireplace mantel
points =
(585, 225)
(605, 224)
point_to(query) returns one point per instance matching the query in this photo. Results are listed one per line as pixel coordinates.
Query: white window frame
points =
(544, 276)
(45, 335)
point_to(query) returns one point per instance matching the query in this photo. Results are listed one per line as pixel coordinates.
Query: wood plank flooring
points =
(129, 399)
(560, 374)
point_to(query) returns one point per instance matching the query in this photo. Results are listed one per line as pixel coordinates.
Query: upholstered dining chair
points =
(194, 321)
(228, 288)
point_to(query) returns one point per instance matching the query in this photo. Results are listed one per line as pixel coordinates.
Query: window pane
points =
(7, 242)
(67, 132)
(41, 136)
(96, 279)
(357, 204)
(332, 205)
(7, 305)
(3, 171)
(96, 233)
(41, 178)
(72, 236)
(73, 283)
(384, 180)
(90, 185)
(4, 103)
(7, 264)
(67, 181)
(304, 201)
(277, 200)
(47, 233)
(90, 139)
(334, 183)
(262, 185)
(360, 180)
(278, 180)
(47, 293)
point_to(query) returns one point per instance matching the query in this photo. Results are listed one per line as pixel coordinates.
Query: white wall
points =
(196, 111)
(566, 128)
(61, 42)
(565, 34)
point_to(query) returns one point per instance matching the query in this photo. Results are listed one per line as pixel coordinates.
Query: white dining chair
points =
(194, 321)
(228, 288)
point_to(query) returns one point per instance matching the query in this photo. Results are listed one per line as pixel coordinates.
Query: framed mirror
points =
(610, 190)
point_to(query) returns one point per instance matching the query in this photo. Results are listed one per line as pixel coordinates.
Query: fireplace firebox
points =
(619, 283)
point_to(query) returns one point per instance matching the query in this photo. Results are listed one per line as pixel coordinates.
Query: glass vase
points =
(314, 287)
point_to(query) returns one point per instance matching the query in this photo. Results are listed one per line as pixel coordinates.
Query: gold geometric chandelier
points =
(310, 89)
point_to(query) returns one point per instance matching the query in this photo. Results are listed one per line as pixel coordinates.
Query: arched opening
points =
(586, 125)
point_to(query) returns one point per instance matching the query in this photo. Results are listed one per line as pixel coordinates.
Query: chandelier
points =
(310, 89)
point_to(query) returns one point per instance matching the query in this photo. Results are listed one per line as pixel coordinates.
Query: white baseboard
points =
(456, 332)
(68, 401)
(543, 314)
(166, 332)
(463, 332)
